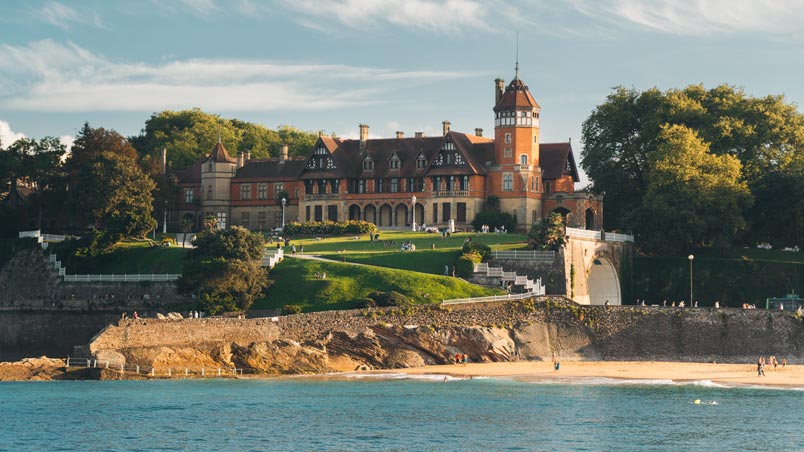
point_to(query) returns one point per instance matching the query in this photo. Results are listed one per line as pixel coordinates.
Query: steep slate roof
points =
(516, 94)
(270, 169)
(553, 158)
(219, 154)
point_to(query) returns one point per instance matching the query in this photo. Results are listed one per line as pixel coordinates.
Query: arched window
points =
(523, 160)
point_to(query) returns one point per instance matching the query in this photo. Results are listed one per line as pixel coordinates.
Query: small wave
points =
(404, 376)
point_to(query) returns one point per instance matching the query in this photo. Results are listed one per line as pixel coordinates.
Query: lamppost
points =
(283, 212)
(164, 219)
(691, 257)
(413, 205)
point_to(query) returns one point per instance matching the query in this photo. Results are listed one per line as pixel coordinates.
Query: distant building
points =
(451, 177)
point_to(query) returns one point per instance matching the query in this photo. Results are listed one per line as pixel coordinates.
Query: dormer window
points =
(368, 164)
(394, 163)
(330, 163)
(421, 162)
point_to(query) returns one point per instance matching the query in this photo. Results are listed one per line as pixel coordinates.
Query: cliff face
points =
(390, 338)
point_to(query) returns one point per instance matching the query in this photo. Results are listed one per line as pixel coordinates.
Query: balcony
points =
(322, 196)
(451, 194)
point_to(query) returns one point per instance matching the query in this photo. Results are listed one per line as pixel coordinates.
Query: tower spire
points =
(517, 55)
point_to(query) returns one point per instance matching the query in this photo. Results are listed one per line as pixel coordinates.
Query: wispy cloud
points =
(439, 16)
(699, 17)
(65, 17)
(53, 77)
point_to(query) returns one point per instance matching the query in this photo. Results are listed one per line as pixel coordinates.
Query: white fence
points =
(271, 257)
(509, 297)
(584, 234)
(154, 277)
(599, 235)
(525, 255)
(182, 372)
(44, 239)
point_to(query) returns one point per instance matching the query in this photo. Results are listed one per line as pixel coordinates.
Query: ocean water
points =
(396, 414)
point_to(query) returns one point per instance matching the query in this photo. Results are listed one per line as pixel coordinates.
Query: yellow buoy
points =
(697, 401)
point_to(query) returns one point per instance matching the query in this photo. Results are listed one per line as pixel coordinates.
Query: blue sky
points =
(395, 65)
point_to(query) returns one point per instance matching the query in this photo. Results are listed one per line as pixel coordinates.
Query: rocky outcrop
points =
(392, 338)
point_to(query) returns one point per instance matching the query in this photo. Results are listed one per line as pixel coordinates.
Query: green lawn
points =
(384, 254)
(295, 283)
(129, 257)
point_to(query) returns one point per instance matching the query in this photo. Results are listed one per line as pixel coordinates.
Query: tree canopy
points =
(189, 134)
(224, 269)
(629, 136)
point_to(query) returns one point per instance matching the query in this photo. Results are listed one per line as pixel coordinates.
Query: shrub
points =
(329, 228)
(466, 264)
(364, 303)
(291, 309)
(478, 248)
(494, 220)
(391, 298)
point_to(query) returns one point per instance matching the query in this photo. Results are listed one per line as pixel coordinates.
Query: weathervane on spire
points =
(517, 55)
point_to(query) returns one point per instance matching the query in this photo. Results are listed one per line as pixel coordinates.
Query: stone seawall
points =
(35, 333)
(394, 337)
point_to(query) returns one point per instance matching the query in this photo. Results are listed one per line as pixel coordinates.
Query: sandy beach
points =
(725, 374)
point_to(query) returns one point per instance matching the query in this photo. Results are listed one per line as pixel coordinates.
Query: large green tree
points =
(116, 195)
(224, 269)
(694, 197)
(37, 163)
(623, 135)
(189, 134)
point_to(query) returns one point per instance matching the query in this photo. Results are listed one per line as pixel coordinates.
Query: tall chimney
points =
(400, 134)
(363, 133)
(478, 132)
(164, 160)
(283, 152)
(419, 135)
(247, 157)
(239, 160)
(498, 90)
(445, 127)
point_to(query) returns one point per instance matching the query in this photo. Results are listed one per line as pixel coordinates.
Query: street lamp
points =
(413, 204)
(691, 257)
(283, 212)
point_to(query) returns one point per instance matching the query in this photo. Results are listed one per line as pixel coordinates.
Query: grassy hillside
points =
(387, 252)
(129, 257)
(295, 283)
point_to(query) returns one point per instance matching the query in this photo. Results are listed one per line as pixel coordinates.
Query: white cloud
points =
(439, 16)
(699, 17)
(203, 7)
(64, 17)
(67, 141)
(8, 136)
(54, 77)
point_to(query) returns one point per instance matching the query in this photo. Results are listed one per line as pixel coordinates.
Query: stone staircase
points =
(502, 278)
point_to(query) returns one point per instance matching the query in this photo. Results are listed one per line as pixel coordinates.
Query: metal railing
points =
(154, 277)
(148, 371)
(322, 196)
(509, 297)
(584, 234)
(450, 193)
(525, 255)
(599, 235)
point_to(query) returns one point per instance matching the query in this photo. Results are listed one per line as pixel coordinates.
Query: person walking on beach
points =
(761, 367)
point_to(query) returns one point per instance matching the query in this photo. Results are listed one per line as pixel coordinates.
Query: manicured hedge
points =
(330, 228)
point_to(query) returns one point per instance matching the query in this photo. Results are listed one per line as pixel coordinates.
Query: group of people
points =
(461, 358)
(486, 228)
(408, 246)
(763, 362)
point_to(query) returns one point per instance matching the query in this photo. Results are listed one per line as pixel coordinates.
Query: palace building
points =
(394, 182)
